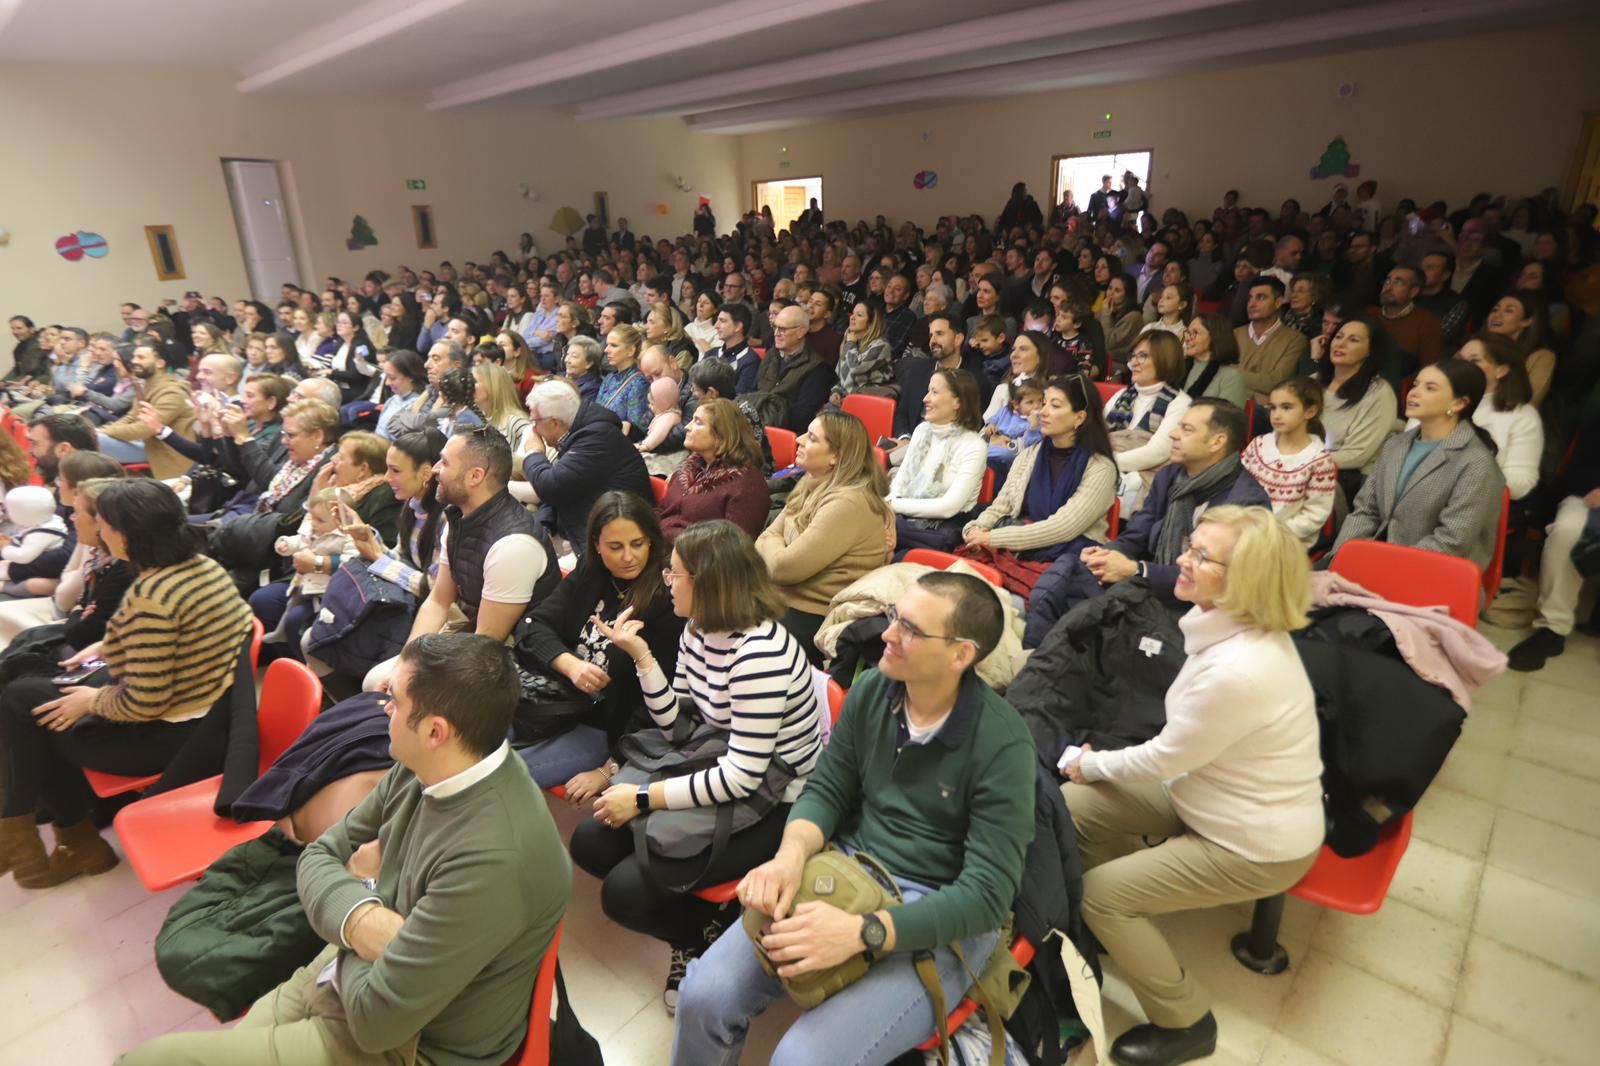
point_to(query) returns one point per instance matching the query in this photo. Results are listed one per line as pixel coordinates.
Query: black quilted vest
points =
(471, 537)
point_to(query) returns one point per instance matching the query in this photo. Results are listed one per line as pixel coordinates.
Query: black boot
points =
(1532, 653)
(1151, 1045)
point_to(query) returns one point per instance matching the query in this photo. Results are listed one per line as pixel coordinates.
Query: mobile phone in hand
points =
(78, 673)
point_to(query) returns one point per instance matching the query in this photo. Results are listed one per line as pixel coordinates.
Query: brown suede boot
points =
(20, 847)
(80, 849)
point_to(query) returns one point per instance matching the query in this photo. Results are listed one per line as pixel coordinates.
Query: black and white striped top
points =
(755, 683)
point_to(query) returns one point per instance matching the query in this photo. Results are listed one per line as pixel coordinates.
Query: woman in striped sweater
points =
(169, 653)
(744, 676)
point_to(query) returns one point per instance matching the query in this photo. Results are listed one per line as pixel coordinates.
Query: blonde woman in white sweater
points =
(1507, 410)
(1232, 784)
(938, 483)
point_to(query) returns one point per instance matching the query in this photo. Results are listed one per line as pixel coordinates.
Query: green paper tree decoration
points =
(1335, 162)
(361, 235)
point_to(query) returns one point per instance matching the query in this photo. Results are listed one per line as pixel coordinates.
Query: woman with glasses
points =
(1231, 786)
(1057, 493)
(834, 528)
(746, 678)
(1142, 416)
(1211, 358)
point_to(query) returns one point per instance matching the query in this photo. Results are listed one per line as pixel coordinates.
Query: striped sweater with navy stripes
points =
(756, 684)
(173, 644)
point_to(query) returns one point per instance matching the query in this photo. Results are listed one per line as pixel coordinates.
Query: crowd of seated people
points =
(481, 441)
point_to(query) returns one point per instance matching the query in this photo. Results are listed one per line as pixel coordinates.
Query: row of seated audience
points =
(455, 480)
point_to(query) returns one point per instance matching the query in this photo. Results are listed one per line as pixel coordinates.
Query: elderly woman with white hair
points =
(577, 453)
(1232, 785)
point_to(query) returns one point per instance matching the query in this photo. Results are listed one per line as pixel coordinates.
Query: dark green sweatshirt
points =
(955, 813)
(482, 880)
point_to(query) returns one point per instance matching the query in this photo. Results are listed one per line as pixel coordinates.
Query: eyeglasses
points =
(1200, 556)
(915, 632)
(669, 575)
(1138, 357)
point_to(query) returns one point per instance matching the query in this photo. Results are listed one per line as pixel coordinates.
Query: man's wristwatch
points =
(873, 935)
(641, 799)
(370, 884)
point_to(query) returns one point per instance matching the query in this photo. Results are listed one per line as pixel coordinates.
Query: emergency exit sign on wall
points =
(416, 183)
(1101, 135)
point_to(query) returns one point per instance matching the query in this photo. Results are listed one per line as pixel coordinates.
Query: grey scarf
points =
(1188, 493)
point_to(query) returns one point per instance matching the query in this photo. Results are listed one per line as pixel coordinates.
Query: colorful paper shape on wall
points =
(662, 208)
(1335, 162)
(361, 235)
(566, 221)
(74, 246)
(925, 179)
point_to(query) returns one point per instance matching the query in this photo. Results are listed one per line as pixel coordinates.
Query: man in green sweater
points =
(438, 894)
(932, 773)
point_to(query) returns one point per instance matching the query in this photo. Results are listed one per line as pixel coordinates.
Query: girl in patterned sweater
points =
(1292, 463)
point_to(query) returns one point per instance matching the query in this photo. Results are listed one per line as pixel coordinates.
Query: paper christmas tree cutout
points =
(361, 235)
(1335, 162)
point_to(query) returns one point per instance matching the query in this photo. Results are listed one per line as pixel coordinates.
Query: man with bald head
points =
(793, 372)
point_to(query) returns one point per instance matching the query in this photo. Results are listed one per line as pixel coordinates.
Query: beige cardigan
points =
(1083, 515)
(845, 539)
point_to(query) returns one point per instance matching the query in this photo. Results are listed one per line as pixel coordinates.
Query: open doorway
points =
(1081, 174)
(788, 198)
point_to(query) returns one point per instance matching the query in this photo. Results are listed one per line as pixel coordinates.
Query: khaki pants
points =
(1127, 883)
(299, 1023)
(1560, 584)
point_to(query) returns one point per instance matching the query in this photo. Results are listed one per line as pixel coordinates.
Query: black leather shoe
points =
(1151, 1045)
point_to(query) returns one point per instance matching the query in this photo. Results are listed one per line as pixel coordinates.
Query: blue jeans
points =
(557, 760)
(123, 451)
(875, 1020)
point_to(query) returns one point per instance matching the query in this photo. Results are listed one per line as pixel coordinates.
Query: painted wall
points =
(111, 150)
(1498, 112)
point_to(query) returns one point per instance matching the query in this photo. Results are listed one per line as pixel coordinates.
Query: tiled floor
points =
(1487, 951)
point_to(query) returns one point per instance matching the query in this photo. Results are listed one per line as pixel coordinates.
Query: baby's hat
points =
(30, 505)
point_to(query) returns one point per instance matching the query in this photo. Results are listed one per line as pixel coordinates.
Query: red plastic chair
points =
(1206, 307)
(1497, 562)
(1412, 575)
(883, 457)
(1355, 886)
(1114, 520)
(658, 486)
(107, 785)
(941, 561)
(729, 890)
(1021, 950)
(782, 444)
(535, 1049)
(172, 837)
(986, 490)
(1108, 389)
(875, 412)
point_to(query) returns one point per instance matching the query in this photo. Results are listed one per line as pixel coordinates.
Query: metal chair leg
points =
(1259, 949)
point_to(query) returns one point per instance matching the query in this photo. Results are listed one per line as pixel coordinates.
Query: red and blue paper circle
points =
(74, 246)
(925, 179)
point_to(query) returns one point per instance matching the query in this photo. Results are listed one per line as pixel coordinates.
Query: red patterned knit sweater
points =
(1300, 485)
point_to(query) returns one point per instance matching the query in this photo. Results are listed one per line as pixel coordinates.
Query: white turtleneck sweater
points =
(942, 473)
(1240, 753)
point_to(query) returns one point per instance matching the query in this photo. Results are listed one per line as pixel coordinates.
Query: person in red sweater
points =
(722, 478)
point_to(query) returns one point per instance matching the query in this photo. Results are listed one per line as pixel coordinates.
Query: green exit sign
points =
(416, 183)
(1101, 135)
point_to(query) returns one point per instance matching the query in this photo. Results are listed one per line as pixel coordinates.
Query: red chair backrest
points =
(291, 696)
(1414, 576)
(883, 457)
(986, 490)
(535, 1049)
(941, 561)
(836, 694)
(782, 444)
(1107, 390)
(875, 412)
(1497, 562)
(257, 632)
(658, 486)
(1114, 520)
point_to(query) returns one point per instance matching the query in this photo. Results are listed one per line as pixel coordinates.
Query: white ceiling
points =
(728, 66)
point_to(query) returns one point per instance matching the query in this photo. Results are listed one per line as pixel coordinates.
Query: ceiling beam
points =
(365, 26)
(724, 22)
(1376, 24)
(923, 46)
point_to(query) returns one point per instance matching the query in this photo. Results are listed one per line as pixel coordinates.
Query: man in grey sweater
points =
(438, 894)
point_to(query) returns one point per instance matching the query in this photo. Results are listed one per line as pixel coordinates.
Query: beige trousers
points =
(1560, 584)
(1127, 883)
(299, 1023)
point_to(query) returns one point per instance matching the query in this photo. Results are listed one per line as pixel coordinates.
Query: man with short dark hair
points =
(1358, 277)
(929, 771)
(51, 438)
(898, 319)
(434, 935)
(1149, 272)
(1269, 351)
(1475, 278)
(623, 237)
(947, 350)
(852, 285)
(1438, 267)
(128, 440)
(1204, 472)
(732, 325)
(1415, 330)
(821, 336)
(1286, 256)
(594, 236)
